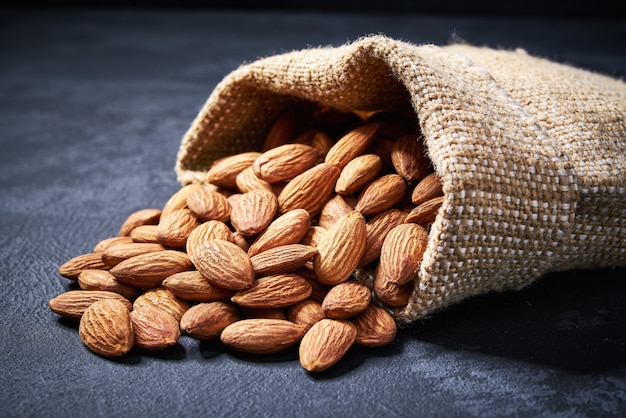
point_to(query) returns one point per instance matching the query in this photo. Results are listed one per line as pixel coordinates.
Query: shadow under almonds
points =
(572, 320)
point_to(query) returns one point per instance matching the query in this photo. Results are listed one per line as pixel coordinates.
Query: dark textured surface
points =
(93, 108)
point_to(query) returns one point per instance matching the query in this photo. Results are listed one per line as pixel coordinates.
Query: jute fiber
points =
(531, 153)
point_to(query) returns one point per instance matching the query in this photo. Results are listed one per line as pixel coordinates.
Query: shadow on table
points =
(573, 320)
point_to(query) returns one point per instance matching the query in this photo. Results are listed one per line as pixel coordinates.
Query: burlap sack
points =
(532, 154)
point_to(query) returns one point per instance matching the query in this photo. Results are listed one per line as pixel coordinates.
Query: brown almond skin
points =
(402, 251)
(104, 280)
(352, 144)
(377, 229)
(340, 249)
(346, 300)
(207, 231)
(428, 188)
(108, 242)
(73, 303)
(164, 299)
(146, 271)
(325, 343)
(179, 199)
(282, 130)
(336, 208)
(106, 329)
(192, 286)
(313, 235)
(117, 253)
(175, 227)
(223, 263)
(309, 190)
(269, 313)
(253, 212)
(145, 233)
(207, 204)
(282, 259)
(409, 158)
(306, 313)
(205, 321)
(374, 327)
(389, 292)
(426, 213)
(74, 266)
(275, 291)
(381, 194)
(261, 335)
(138, 218)
(247, 181)
(154, 328)
(288, 228)
(358, 173)
(223, 172)
(285, 162)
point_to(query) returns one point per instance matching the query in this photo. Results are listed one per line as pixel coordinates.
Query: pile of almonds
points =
(262, 255)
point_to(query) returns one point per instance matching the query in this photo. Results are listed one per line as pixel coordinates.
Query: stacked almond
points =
(262, 255)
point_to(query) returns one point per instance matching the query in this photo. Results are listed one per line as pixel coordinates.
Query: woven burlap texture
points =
(531, 153)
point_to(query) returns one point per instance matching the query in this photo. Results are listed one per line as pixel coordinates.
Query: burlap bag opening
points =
(531, 153)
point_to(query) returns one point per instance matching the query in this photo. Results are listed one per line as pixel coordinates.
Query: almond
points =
(192, 286)
(253, 212)
(340, 249)
(402, 251)
(175, 227)
(318, 140)
(284, 162)
(306, 313)
(106, 329)
(107, 242)
(426, 213)
(104, 280)
(261, 335)
(275, 291)
(409, 157)
(309, 190)
(224, 171)
(325, 343)
(313, 235)
(164, 299)
(390, 292)
(73, 303)
(282, 130)
(358, 173)
(149, 270)
(115, 254)
(374, 327)
(179, 199)
(247, 181)
(288, 228)
(207, 231)
(74, 266)
(351, 145)
(208, 204)
(381, 194)
(269, 313)
(138, 218)
(345, 300)
(334, 209)
(223, 263)
(428, 188)
(377, 229)
(282, 259)
(154, 328)
(145, 233)
(205, 321)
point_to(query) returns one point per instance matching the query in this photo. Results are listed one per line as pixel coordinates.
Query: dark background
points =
(94, 101)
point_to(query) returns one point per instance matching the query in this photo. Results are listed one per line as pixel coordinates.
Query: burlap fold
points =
(531, 153)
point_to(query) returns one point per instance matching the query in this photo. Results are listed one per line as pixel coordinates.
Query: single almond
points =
(275, 291)
(253, 212)
(390, 292)
(381, 194)
(325, 343)
(154, 328)
(104, 280)
(282, 259)
(224, 171)
(164, 299)
(309, 190)
(377, 229)
(288, 228)
(374, 327)
(402, 251)
(117, 253)
(145, 233)
(345, 300)
(138, 218)
(358, 173)
(281, 131)
(426, 213)
(106, 329)
(247, 181)
(192, 286)
(340, 249)
(207, 231)
(150, 269)
(74, 266)
(313, 235)
(223, 263)
(334, 209)
(428, 188)
(72, 304)
(175, 227)
(261, 335)
(285, 162)
(351, 145)
(207, 204)
(306, 313)
(206, 321)
(409, 157)
(107, 242)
